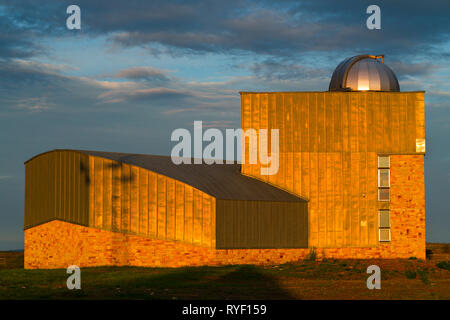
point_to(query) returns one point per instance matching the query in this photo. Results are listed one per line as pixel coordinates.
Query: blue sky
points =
(139, 69)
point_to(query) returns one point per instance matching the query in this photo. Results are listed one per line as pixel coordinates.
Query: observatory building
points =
(350, 184)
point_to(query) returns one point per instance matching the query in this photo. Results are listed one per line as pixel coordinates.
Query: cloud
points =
(144, 73)
(37, 104)
(413, 69)
(145, 95)
(15, 41)
(272, 69)
(286, 29)
(219, 124)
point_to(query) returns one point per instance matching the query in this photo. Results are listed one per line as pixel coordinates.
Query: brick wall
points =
(407, 206)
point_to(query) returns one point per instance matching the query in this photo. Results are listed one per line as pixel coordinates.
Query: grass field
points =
(328, 279)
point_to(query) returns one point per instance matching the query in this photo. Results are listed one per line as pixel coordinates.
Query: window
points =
(384, 225)
(384, 178)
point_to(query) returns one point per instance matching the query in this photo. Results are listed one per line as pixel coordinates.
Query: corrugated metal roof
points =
(222, 181)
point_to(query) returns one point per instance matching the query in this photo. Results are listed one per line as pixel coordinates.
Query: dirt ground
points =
(327, 279)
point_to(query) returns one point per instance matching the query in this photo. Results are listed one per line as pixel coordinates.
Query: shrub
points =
(410, 274)
(412, 258)
(423, 276)
(443, 265)
(312, 255)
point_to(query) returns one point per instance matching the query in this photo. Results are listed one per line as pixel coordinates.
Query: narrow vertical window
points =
(384, 225)
(384, 178)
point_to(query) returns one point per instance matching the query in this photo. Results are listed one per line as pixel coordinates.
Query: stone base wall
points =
(407, 205)
(59, 244)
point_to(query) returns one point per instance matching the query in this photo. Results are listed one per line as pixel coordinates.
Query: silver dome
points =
(363, 73)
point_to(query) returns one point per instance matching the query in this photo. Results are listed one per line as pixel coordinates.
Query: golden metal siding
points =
(213, 222)
(98, 193)
(260, 224)
(143, 202)
(162, 215)
(107, 194)
(197, 217)
(264, 123)
(189, 214)
(134, 200)
(90, 190)
(46, 198)
(206, 221)
(356, 125)
(272, 118)
(84, 189)
(170, 209)
(71, 187)
(179, 211)
(27, 200)
(116, 196)
(153, 204)
(110, 195)
(125, 197)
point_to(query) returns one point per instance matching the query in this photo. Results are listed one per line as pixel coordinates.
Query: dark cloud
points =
(285, 28)
(16, 42)
(145, 74)
(412, 69)
(272, 69)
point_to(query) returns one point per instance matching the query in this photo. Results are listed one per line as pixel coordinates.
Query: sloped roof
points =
(222, 181)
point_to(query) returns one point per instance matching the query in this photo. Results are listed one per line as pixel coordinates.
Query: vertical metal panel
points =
(197, 217)
(98, 193)
(51, 190)
(188, 214)
(264, 124)
(170, 194)
(153, 204)
(213, 222)
(125, 197)
(76, 184)
(329, 199)
(58, 183)
(179, 211)
(116, 196)
(419, 115)
(107, 194)
(70, 187)
(246, 118)
(321, 193)
(372, 199)
(143, 202)
(84, 189)
(134, 199)
(272, 120)
(255, 120)
(162, 205)
(27, 200)
(206, 221)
